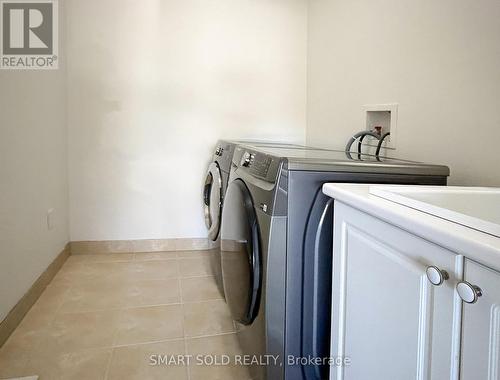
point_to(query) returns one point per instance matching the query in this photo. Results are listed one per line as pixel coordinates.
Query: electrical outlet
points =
(50, 218)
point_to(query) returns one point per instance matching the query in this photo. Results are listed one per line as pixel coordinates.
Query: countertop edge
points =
(465, 241)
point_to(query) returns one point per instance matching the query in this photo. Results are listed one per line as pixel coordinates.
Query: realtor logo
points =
(29, 34)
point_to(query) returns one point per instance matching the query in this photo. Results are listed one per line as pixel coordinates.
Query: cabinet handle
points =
(436, 276)
(469, 293)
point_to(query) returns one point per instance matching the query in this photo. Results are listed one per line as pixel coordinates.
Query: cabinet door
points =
(481, 326)
(388, 319)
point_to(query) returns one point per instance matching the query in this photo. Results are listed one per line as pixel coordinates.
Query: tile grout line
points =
(157, 341)
(113, 346)
(120, 308)
(137, 306)
(183, 318)
(108, 365)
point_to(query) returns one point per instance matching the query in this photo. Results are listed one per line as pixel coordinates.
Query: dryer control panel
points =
(260, 165)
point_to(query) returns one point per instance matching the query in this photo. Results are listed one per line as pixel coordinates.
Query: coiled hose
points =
(360, 135)
(380, 142)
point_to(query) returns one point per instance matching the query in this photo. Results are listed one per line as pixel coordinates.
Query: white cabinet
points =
(481, 326)
(395, 313)
(388, 318)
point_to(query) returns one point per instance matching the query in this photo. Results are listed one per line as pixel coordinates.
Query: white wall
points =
(439, 60)
(33, 177)
(153, 84)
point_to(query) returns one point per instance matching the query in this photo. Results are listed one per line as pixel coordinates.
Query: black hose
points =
(359, 135)
(380, 142)
(360, 145)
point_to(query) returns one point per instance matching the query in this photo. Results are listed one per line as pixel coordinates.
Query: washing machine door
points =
(212, 200)
(240, 253)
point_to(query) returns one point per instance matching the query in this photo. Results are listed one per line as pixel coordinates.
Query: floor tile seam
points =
(119, 308)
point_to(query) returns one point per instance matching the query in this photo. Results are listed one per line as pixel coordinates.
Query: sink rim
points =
(399, 194)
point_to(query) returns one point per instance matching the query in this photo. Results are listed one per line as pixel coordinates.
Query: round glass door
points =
(240, 253)
(212, 200)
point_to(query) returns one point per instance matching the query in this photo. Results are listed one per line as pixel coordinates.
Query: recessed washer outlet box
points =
(384, 116)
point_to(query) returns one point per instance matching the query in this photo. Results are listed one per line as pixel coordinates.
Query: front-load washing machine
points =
(217, 179)
(276, 248)
(214, 189)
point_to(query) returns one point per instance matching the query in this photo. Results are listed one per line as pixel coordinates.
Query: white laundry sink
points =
(474, 207)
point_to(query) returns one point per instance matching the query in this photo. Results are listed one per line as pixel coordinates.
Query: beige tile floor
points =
(102, 317)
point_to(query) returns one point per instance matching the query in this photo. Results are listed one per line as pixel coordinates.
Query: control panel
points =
(258, 164)
(223, 155)
(261, 167)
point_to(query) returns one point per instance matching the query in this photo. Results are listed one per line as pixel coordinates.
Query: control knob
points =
(247, 159)
(219, 150)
